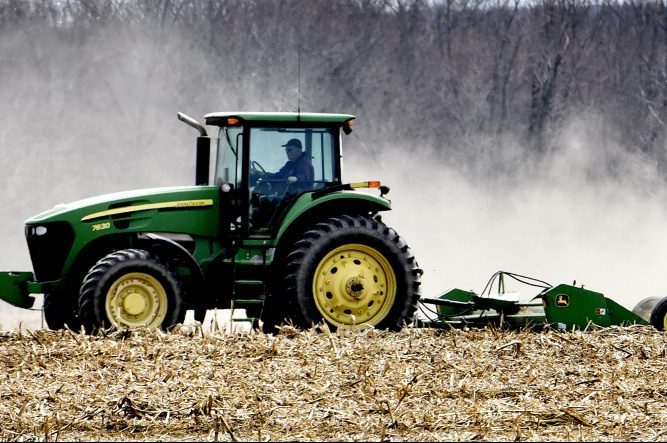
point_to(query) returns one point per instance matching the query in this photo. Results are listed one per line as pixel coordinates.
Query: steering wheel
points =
(256, 172)
(255, 165)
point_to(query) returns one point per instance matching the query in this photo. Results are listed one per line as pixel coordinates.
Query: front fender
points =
(169, 250)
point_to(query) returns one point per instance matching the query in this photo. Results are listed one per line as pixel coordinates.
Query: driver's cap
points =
(293, 142)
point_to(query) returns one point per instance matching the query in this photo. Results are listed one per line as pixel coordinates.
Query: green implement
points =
(564, 307)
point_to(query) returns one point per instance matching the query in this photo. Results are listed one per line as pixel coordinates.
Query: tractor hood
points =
(58, 236)
(103, 206)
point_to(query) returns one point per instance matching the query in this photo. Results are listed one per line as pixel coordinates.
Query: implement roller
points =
(563, 307)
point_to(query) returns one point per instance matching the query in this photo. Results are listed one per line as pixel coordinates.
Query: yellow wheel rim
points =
(354, 286)
(136, 299)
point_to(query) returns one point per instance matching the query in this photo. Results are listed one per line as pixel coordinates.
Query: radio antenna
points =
(298, 108)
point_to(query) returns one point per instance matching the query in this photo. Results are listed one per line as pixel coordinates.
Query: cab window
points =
(285, 162)
(229, 156)
(269, 151)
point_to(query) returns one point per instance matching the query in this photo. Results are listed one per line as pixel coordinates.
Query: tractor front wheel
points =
(59, 311)
(351, 272)
(129, 289)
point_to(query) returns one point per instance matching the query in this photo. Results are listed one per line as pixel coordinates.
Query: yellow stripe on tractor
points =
(146, 207)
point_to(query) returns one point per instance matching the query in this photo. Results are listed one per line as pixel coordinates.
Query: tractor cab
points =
(265, 161)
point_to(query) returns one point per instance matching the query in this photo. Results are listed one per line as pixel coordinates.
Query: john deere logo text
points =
(190, 203)
(562, 300)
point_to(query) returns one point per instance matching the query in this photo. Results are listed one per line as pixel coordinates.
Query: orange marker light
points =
(369, 184)
(231, 121)
(347, 126)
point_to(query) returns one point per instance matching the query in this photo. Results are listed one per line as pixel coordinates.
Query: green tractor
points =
(290, 245)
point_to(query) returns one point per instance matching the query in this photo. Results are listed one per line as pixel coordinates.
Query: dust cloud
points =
(99, 116)
(89, 116)
(562, 219)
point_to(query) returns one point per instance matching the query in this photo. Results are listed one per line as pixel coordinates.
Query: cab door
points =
(229, 179)
(276, 175)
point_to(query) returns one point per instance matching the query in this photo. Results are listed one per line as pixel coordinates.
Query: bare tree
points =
(445, 72)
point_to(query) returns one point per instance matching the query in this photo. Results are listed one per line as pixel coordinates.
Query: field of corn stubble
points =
(417, 385)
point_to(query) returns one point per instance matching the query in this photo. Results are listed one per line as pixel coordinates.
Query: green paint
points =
(570, 307)
(15, 288)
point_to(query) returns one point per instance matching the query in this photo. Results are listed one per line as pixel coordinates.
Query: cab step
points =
(249, 282)
(241, 302)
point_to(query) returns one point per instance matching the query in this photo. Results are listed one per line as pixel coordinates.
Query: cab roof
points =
(216, 118)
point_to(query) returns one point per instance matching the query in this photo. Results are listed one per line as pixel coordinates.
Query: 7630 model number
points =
(101, 226)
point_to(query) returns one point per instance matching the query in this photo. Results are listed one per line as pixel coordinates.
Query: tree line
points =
(444, 74)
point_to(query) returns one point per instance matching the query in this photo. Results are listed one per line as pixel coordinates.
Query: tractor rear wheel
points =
(129, 289)
(351, 272)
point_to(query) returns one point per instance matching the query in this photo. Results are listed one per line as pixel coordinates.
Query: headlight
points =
(35, 231)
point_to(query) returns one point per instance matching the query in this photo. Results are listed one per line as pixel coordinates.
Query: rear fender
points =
(304, 216)
(306, 211)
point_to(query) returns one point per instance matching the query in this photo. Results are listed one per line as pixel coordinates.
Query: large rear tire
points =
(129, 289)
(351, 272)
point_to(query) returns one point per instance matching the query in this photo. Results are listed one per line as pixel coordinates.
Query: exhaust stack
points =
(203, 149)
(192, 122)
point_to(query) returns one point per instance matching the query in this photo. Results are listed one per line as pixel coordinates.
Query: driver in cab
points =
(297, 174)
(269, 188)
(298, 167)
